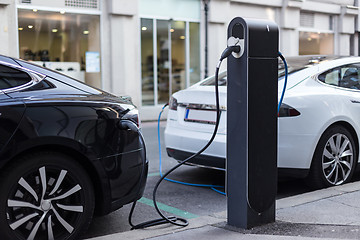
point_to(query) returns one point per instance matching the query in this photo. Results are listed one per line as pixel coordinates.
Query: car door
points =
(11, 110)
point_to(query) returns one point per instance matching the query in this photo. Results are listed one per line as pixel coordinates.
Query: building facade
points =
(149, 49)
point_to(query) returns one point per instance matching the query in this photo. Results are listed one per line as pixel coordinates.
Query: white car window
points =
(350, 77)
(346, 76)
(330, 77)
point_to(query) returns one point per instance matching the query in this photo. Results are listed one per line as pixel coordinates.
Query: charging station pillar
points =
(252, 98)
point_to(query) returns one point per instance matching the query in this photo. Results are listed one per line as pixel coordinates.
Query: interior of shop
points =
(66, 42)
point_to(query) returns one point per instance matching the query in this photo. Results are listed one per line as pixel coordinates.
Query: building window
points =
(69, 43)
(316, 33)
(163, 56)
(331, 23)
(170, 58)
(316, 43)
(194, 53)
(147, 62)
(307, 19)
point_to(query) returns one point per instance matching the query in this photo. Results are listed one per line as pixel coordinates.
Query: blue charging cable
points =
(285, 81)
(213, 187)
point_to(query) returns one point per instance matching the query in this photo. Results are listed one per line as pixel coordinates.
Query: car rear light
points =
(287, 111)
(173, 103)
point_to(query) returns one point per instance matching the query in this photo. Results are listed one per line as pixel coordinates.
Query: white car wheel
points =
(334, 158)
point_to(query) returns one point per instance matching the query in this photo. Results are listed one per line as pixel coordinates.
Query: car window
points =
(330, 77)
(10, 77)
(350, 77)
(346, 76)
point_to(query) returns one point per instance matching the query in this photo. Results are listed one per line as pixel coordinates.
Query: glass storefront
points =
(147, 62)
(165, 69)
(178, 80)
(66, 42)
(316, 43)
(194, 53)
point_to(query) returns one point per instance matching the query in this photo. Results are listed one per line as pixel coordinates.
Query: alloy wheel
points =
(46, 203)
(337, 159)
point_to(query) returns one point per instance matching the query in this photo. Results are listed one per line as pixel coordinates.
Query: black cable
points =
(171, 219)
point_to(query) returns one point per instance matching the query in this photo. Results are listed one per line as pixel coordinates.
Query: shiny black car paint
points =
(64, 115)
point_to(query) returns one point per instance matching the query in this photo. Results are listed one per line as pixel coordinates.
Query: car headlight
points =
(173, 103)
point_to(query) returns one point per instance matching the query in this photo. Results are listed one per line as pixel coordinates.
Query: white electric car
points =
(318, 123)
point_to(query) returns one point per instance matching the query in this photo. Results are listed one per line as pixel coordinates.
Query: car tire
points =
(46, 195)
(334, 159)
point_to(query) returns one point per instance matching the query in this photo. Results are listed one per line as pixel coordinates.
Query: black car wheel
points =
(334, 158)
(45, 196)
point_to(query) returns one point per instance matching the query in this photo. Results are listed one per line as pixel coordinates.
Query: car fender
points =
(346, 122)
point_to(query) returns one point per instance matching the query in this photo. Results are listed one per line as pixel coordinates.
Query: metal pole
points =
(206, 9)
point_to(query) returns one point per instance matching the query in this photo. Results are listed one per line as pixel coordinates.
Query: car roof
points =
(295, 63)
(310, 59)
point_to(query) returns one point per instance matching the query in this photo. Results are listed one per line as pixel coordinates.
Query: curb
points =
(160, 230)
(317, 195)
(221, 217)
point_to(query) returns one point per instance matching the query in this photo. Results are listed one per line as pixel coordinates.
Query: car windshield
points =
(295, 64)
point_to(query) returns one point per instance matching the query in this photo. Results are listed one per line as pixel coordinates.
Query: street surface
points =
(176, 199)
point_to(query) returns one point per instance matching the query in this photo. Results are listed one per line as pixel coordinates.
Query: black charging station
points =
(252, 98)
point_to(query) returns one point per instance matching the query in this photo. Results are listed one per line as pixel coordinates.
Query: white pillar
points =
(9, 29)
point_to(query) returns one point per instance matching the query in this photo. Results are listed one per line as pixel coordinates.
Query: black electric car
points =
(67, 151)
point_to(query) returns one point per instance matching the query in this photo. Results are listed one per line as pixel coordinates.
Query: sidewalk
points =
(332, 213)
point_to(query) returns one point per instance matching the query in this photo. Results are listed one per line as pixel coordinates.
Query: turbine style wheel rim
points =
(337, 159)
(45, 204)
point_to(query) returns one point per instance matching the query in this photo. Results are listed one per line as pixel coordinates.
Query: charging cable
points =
(181, 221)
(174, 220)
(285, 80)
(213, 187)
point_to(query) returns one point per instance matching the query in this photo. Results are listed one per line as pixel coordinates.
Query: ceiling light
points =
(144, 28)
(20, 28)
(54, 30)
(35, 10)
(182, 37)
(30, 26)
(62, 12)
(172, 30)
(86, 32)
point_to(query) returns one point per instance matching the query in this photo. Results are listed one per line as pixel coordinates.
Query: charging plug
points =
(229, 50)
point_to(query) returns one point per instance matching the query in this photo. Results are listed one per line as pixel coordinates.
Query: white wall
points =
(175, 9)
(344, 42)
(123, 50)
(8, 28)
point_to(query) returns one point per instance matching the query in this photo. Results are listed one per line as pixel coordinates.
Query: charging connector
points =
(235, 47)
(229, 50)
(233, 41)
